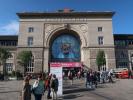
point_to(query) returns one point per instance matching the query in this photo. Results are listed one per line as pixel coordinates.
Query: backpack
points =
(54, 83)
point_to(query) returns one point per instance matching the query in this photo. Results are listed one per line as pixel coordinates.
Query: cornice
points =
(70, 14)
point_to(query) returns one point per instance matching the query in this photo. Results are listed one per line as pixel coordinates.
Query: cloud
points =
(11, 28)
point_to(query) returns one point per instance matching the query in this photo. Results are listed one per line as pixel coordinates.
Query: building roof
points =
(123, 36)
(8, 37)
(66, 13)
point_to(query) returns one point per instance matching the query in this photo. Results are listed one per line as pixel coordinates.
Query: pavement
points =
(122, 89)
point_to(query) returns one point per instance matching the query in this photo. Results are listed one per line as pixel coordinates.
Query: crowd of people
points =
(39, 87)
(95, 77)
(91, 77)
(50, 83)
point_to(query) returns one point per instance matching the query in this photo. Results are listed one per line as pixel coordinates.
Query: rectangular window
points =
(30, 41)
(100, 40)
(31, 29)
(9, 67)
(99, 29)
(2, 43)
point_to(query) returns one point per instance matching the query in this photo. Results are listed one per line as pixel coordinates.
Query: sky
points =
(122, 20)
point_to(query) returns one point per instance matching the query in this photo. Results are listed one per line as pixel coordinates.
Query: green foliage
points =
(24, 57)
(13, 73)
(18, 74)
(100, 59)
(4, 54)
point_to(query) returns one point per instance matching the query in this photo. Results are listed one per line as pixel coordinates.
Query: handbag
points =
(35, 85)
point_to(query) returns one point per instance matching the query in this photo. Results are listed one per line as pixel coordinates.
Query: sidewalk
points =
(121, 90)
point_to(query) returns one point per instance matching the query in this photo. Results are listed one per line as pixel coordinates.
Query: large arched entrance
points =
(65, 49)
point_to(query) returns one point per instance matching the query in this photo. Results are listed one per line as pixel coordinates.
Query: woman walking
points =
(26, 90)
(38, 88)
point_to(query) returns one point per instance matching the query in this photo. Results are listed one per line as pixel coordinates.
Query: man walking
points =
(54, 86)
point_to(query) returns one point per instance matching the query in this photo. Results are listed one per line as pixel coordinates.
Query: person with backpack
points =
(54, 86)
(38, 88)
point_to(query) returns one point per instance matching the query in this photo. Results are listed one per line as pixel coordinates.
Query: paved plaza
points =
(122, 89)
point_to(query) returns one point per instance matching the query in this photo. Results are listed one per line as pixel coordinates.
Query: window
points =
(130, 42)
(99, 29)
(30, 66)
(121, 42)
(100, 40)
(9, 67)
(122, 64)
(30, 41)
(14, 43)
(10, 56)
(30, 29)
(8, 43)
(122, 54)
(2, 43)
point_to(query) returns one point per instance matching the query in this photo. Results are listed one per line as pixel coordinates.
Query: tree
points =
(23, 58)
(100, 59)
(4, 55)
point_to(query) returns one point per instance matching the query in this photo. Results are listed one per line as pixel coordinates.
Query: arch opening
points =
(65, 46)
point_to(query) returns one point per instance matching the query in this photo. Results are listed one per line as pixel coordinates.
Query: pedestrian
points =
(95, 79)
(110, 75)
(98, 76)
(38, 88)
(102, 76)
(68, 74)
(54, 86)
(89, 80)
(79, 74)
(48, 87)
(26, 89)
(129, 74)
(71, 78)
(63, 74)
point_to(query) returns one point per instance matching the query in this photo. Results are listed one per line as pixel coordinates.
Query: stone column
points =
(46, 59)
(85, 55)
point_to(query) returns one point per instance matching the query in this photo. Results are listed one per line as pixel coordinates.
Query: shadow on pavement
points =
(102, 86)
(3, 87)
(9, 91)
(76, 90)
(105, 97)
(71, 96)
(70, 87)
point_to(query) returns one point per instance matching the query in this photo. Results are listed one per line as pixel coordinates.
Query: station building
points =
(68, 38)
